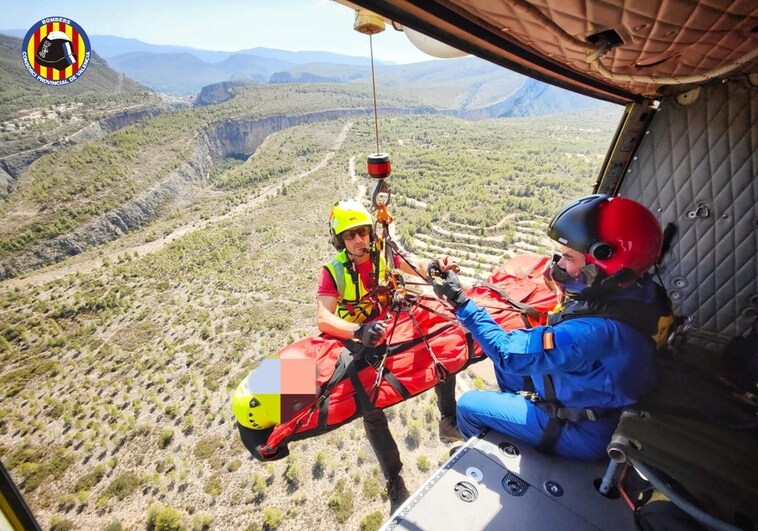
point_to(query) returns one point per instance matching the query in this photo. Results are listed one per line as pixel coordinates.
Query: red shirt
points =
(327, 287)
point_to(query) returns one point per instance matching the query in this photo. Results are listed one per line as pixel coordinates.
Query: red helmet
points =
(619, 236)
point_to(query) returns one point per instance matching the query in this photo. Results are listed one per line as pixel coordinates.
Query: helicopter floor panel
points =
(494, 482)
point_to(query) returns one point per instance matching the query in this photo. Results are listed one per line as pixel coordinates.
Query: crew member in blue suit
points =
(563, 385)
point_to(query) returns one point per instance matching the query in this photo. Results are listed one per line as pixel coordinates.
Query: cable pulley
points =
(379, 166)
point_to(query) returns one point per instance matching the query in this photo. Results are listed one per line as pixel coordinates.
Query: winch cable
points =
(373, 87)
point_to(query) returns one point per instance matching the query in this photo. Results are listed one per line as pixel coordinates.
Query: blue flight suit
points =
(595, 362)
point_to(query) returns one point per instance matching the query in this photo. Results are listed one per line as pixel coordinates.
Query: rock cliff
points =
(211, 146)
(14, 165)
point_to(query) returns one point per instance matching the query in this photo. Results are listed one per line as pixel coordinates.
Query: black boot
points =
(449, 430)
(396, 492)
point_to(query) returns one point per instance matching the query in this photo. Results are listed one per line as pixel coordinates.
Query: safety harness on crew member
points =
(353, 305)
(651, 319)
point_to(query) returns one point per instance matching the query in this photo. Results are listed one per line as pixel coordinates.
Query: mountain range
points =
(469, 87)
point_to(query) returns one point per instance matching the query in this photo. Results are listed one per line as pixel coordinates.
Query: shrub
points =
(430, 413)
(165, 438)
(114, 526)
(272, 518)
(259, 484)
(292, 473)
(165, 465)
(341, 504)
(60, 524)
(319, 466)
(213, 485)
(208, 446)
(90, 479)
(415, 432)
(371, 488)
(372, 522)
(161, 518)
(35, 474)
(423, 464)
(124, 485)
(201, 522)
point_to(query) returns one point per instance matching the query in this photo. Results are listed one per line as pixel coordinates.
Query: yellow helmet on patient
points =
(257, 411)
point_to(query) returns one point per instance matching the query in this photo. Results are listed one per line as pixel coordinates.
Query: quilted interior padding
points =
(668, 38)
(697, 167)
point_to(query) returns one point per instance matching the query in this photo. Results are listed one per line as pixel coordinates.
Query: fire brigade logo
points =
(56, 51)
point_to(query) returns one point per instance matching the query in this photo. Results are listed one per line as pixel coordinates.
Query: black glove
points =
(370, 334)
(449, 289)
(433, 270)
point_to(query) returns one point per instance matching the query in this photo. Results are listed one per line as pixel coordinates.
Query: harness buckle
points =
(531, 396)
(590, 414)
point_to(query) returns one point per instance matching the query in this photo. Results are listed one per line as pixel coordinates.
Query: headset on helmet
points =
(619, 236)
(347, 214)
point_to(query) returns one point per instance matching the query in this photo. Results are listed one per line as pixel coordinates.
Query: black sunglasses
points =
(352, 233)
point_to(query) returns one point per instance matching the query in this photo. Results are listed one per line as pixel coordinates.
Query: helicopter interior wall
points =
(697, 167)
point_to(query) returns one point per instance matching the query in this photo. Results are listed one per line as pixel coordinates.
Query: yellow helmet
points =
(347, 214)
(256, 411)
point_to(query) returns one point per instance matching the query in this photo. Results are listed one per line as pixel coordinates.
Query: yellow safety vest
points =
(351, 288)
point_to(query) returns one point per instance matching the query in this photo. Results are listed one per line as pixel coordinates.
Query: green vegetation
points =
(74, 185)
(160, 518)
(14, 381)
(61, 524)
(371, 488)
(259, 485)
(90, 479)
(201, 522)
(37, 465)
(272, 518)
(423, 463)
(165, 437)
(208, 446)
(124, 485)
(372, 521)
(292, 472)
(475, 174)
(31, 115)
(214, 485)
(479, 383)
(415, 433)
(341, 503)
(319, 465)
(286, 153)
(116, 380)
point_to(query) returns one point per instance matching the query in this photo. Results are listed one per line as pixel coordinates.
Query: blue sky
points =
(229, 25)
